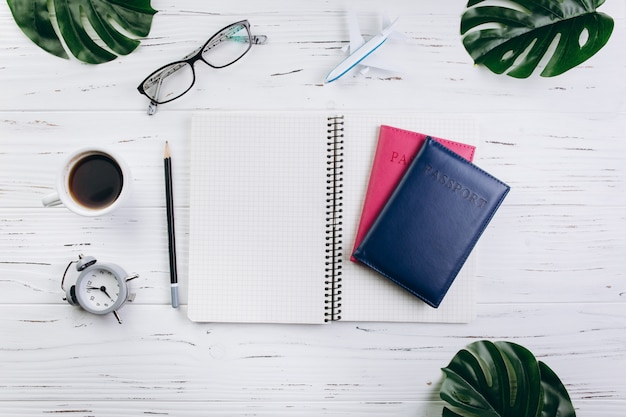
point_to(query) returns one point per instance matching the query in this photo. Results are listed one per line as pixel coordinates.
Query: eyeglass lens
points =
(174, 80)
(227, 46)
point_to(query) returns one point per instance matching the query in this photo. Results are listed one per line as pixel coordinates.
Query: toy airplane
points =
(361, 51)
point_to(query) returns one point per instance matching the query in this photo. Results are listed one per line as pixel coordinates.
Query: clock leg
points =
(117, 317)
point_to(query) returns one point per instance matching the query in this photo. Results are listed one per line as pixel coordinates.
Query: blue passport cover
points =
(431, 222)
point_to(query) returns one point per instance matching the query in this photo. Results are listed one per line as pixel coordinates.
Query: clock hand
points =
(103, 289)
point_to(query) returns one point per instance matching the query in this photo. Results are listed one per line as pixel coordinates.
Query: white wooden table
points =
(551, 274)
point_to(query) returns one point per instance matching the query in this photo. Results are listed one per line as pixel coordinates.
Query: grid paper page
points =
(257, 217)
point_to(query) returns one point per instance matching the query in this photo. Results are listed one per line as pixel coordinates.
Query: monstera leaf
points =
(502, 379)
(91, 29)
(502, 37)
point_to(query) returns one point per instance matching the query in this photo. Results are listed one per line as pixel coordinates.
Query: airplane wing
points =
(377, 60)
(356, 39)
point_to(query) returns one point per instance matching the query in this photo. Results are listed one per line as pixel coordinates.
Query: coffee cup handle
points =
(51, 200)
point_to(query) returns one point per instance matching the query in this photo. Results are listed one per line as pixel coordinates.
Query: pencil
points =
(171, 235)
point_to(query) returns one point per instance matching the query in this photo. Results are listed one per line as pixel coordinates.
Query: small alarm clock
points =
(100, 288)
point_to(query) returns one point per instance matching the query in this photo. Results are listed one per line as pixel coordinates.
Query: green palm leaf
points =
(502, 379)
(522, 36)
(79, 20)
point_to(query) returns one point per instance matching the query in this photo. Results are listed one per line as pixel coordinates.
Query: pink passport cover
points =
(395, 150)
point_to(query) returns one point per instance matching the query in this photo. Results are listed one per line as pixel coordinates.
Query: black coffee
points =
(96, 181)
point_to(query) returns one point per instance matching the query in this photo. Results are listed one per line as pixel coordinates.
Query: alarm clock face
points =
(101, 289)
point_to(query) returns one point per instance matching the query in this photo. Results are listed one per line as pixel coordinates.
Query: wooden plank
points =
(260, 408)
(554, 256)
(558, 159)
(62, 355)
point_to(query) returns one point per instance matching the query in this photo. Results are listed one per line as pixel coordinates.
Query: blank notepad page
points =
(257, 217)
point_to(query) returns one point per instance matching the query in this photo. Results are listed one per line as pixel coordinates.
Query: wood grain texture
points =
(168, 358)
(551, 274)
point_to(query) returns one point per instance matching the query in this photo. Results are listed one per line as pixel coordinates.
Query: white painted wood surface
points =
(552, 263)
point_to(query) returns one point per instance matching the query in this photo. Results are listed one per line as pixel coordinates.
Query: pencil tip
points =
(167, 150)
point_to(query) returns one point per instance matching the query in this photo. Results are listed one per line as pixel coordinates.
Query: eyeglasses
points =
(224, 48)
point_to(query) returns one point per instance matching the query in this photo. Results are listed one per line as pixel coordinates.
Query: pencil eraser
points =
(174, 296)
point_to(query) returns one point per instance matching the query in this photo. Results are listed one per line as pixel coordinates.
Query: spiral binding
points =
(334, 218)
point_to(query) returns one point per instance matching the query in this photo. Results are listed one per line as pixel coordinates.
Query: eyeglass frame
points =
(195, 56)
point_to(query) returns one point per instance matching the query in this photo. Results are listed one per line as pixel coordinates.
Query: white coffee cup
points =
(92, 182)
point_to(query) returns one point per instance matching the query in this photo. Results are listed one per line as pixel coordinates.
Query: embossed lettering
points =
(454, 186)
(399, 158)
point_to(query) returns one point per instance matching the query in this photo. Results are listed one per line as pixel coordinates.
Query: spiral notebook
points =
(275, 201)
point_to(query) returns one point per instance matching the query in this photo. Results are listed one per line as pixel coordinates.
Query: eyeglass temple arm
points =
(152, 107)
(253, 39)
